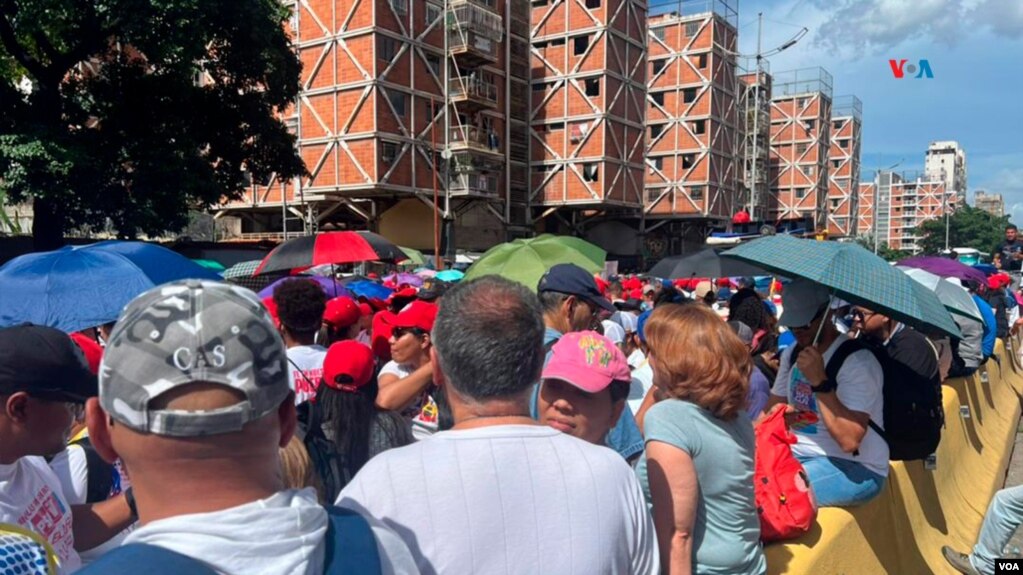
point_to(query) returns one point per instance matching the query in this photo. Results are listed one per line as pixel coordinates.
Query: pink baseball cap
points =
(588, 361)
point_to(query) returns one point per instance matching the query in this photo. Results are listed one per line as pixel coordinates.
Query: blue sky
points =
(975, 48)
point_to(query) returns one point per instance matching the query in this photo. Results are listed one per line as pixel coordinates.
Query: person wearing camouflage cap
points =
(194, 398)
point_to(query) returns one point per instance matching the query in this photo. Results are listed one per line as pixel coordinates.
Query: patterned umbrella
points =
(330, 248)
(242, 269)
(853, 274)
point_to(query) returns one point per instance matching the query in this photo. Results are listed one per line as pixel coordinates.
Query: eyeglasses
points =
(862, 315)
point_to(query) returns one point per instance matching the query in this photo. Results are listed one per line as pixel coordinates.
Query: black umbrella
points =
(706, 263)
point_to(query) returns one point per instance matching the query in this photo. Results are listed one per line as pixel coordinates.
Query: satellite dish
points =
(445, 153)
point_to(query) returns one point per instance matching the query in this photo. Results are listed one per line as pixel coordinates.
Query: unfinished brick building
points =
(692, 120)
(844, 166)
(865, 209)
(800, 140)
(587, 119)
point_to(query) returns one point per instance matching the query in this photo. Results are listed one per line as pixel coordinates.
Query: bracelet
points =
(829, 385)
(129, 497)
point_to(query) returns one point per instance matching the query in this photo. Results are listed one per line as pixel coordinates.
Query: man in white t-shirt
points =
(41, 372)
(194, 397)
(499, 492)
(846, 460)
(300, 307)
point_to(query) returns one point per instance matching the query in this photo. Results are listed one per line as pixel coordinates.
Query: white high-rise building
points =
(947, 161)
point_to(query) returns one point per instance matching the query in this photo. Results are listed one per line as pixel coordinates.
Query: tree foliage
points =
(884, 250)
(969, 227)
(102, 116)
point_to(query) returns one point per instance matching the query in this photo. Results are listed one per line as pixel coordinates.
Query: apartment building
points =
(844, 166)
(801, 102)
(946, 160)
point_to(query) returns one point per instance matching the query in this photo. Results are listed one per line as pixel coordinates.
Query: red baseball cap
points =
(418, 314)
(381, 334)
(365, 309)
(341, 312)
(92, 350)
(348, 366)
(636, 293)
(408, 293)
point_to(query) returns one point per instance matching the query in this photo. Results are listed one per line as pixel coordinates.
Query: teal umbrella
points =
(853, 274)
(450, 275)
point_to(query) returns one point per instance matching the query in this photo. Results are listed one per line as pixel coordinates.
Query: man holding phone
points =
(846, 460)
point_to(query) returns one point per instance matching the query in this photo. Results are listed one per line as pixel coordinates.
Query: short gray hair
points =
(489, 338)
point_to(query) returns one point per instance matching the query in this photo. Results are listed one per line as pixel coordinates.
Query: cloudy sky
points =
(975, 49)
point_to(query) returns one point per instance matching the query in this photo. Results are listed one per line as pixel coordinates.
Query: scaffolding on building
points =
(754, 91)
(844, 165)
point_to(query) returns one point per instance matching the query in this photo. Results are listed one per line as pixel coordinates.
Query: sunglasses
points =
(403, 331)
(861, 315)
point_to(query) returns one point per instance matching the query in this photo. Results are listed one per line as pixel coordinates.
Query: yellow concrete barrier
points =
(919, 510)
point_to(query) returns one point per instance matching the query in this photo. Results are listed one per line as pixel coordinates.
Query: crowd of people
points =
(594, 425)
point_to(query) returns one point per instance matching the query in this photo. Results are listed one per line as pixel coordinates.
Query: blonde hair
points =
(297, 468)
(698, 358)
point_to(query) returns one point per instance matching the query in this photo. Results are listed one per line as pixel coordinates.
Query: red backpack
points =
(785, 502)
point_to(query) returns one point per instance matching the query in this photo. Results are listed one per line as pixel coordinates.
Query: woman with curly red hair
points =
(697, 472)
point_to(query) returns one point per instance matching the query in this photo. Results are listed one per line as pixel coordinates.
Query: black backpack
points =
(913, 411)
(101, 475)
(331, 465)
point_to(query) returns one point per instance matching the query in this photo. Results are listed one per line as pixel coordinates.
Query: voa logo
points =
(900, 69)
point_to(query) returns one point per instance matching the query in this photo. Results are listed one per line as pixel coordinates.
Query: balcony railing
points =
(474, 138)
(473, 88)
(474, 184)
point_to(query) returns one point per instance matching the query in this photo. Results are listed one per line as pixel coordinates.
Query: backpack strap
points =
(834, 365)
(351, 545)
(547, 347)
(128, 559)
(100, 478)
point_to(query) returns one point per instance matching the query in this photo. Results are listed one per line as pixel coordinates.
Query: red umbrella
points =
(330, 248)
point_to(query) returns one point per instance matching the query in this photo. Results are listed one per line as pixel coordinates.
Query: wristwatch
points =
(827, 386)
(129, 497)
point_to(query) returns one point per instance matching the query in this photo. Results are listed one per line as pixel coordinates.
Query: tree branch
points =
(10, 42)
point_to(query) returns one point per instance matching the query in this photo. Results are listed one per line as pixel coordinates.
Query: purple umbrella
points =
(945, 268)
(405, 279)
(333, 288)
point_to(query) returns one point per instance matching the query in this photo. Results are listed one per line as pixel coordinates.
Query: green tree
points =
(968, 227)
(884, 250)
(102, 117)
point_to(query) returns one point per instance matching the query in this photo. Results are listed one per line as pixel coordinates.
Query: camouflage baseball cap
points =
(186, 332)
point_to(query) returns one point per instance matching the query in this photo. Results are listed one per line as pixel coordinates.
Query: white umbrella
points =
(952, 294)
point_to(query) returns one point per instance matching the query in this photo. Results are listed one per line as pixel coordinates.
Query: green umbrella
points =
(415, 257)
(210, 264)
(853, 274)
(526, 260)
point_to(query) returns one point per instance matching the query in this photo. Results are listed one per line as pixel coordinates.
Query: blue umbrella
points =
(332, 287)
(75, 288)
(853, 274)
(450, 275)
(369, 289)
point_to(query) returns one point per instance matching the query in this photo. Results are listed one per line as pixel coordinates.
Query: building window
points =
(844, 144)
(398, 102)
(539, 3)
(837, 124)
(658, 33)
(388, 48)
(593, 87)
(432, 13)
(555, 126)
(656, 130)
(696, 192)
(692, 28)
(591, 172)
(836, 163)
(656, 66)
(699, 126)
(580, 44)
(801, 103)
(701, 61)
(801, 193)
(400, 6)
(591, 4)
(388, 152)
(656, 164)
(688, 160)
(658, 98)
(800, 149)
(433, 61)
(810, 124)
(688, 95)
(810, 171)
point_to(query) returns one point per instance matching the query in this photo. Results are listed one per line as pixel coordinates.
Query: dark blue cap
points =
(571, 279)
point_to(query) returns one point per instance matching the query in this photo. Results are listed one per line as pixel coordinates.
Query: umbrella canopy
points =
(702, 264)
(369, 289)
(951, 293)
(945, 268)
(425, 273)
(330, 288)
(404, 279)
(415, 257)
(853, 274)
(75, 288)
(210, 265)
(330, 248)
(450, 275)
(526, 260)
(242, 269)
